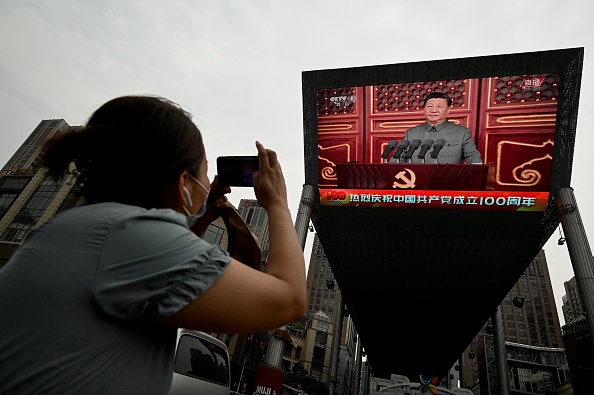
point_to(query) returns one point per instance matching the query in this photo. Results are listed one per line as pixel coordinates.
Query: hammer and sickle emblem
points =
(407, 176)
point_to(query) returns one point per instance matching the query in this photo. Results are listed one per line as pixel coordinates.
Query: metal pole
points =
(358, 366)
(336, 335)
(304, 213)
(462, 371)
(241, 375)
(579, 252)
(500, 353)
(367, 378)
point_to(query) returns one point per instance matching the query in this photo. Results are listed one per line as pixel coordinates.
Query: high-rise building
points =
(577, 338)
(324, 299)
(537, 323)
(572, 306)
(27, 154)
(531, 328)
(322, 290)
(28, 197)
(256, 218)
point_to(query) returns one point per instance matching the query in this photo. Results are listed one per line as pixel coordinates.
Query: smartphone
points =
(237, 171)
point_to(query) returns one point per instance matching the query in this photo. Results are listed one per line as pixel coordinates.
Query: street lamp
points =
(561, 240)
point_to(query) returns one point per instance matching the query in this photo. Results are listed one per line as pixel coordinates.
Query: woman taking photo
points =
(91, 301)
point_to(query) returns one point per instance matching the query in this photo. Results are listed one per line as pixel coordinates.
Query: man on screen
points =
(457, 142)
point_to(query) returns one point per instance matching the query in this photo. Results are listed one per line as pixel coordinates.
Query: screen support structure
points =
(500, 353)
(580, 253)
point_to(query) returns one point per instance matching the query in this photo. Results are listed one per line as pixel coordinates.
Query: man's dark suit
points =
(458, 143)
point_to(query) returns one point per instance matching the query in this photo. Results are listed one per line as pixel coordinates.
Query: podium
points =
(407, 176)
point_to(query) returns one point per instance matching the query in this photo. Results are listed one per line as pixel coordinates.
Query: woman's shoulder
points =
(111, 212)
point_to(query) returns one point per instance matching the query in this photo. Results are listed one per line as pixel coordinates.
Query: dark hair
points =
(439, 95)
(131, 148)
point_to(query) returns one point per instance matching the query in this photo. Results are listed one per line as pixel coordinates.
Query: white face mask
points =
(191, 219)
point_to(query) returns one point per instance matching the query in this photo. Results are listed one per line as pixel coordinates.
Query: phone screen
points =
(237, 171)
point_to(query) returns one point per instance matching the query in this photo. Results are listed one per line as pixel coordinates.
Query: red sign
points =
(269, 381)
(460, 200)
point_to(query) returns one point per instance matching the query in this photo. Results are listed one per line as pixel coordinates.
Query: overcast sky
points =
(236, 66)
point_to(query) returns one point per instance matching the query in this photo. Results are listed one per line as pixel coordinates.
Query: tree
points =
(299, 377)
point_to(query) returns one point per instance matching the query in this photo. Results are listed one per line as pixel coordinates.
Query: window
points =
(287, 351)
(214, 234)
(319, 354)
(27, 218)
(203, 359)
(6, 200)
(14, 183)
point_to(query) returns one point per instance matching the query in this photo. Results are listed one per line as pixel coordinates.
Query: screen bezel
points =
(566, 62)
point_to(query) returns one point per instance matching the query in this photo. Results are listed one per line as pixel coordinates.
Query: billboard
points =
(436, 242)
(509, 103)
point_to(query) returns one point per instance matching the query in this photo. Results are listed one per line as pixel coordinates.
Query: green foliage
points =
(297, 325)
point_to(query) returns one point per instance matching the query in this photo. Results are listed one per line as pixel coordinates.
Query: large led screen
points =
(357, 118)
(435, 244)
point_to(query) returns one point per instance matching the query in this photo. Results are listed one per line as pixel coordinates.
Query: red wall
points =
(513, 127)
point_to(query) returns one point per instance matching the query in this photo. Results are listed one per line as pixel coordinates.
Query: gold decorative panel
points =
(409, 96)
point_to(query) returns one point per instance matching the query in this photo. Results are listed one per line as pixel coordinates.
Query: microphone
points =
(425, 147)
(414, 145)
(437, 146)
(401, 147)
(391, 145)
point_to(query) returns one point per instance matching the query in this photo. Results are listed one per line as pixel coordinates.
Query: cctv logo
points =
(343, 100)
(335, 195)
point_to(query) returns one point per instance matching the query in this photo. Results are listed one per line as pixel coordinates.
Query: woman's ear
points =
(187, 196)
(182, 195)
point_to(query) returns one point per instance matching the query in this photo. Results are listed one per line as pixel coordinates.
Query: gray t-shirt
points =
(83, 300)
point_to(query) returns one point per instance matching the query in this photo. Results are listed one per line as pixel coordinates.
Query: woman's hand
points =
(269, 181)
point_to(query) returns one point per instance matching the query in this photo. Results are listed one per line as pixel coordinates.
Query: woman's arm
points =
(247, 300)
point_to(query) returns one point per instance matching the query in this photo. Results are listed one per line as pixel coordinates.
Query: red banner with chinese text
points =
(459, 200)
